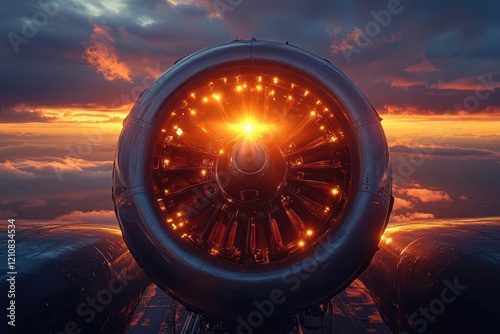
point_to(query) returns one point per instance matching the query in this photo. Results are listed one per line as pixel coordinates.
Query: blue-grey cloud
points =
(22, 116)
(48, 67)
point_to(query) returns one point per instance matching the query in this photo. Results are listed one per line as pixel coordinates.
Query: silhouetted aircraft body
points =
(440, 274)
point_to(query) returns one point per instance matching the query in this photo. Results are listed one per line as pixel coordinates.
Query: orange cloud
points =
(404, 83)
(426, 195)
(214, 8)
(467, 83)
(100, 216)
(400, 203)
(102, 54)
(411, 216)
(350, 41)
(401, 82)
(32, 168)
(423, 67)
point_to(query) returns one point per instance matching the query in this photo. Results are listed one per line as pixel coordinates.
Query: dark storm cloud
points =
(43, 176)
(46, 147)
(379, 67)
(49, 188)
(22, 116)
(458, 38)
(470, 183)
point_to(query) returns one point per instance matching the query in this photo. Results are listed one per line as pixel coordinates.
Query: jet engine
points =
(252, 178)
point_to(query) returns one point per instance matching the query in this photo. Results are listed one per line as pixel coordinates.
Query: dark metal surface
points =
(438, 276)
(302, 280)
(72, 278)
(350, 312)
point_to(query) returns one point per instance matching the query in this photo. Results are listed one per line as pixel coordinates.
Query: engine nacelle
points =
(252, 173)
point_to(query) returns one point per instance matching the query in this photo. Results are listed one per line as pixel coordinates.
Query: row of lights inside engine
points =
(249, 128)
(166, 164)
(241, 87)
(181, 223)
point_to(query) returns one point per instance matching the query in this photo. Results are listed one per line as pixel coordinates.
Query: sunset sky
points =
(71, 70)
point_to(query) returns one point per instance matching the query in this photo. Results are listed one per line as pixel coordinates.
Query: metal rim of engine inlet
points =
(187, 242)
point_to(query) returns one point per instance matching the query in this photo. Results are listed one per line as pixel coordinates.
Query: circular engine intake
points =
(248, 172)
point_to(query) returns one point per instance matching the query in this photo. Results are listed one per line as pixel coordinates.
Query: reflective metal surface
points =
(72, 278)
(241, 163)
(438, 276)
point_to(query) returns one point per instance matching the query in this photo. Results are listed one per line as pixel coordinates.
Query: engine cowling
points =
(252, 173)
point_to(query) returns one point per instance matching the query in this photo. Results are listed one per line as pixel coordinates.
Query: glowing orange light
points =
(301, 243)
(275, 80)
(163, 130)
(239, 88)
(166, 191)
(318, 102)
(166, 162)
(216, 97)
(335, 191)
(289, 97)
(313, 113)
(174, 227)
(193, 112)
(309, 232)
(259, 88)
(248, 128)
(181, 224)
(184, 235)
(178, 214)
(271, 93)
(322, 127)
(221, 151)
(203, 172)
(306, 93)
(179, 131)
(259, 79)
(193, 96)
(205, 99)
(169, 220)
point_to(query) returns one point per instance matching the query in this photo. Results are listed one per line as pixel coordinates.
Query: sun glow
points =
(249, 128)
